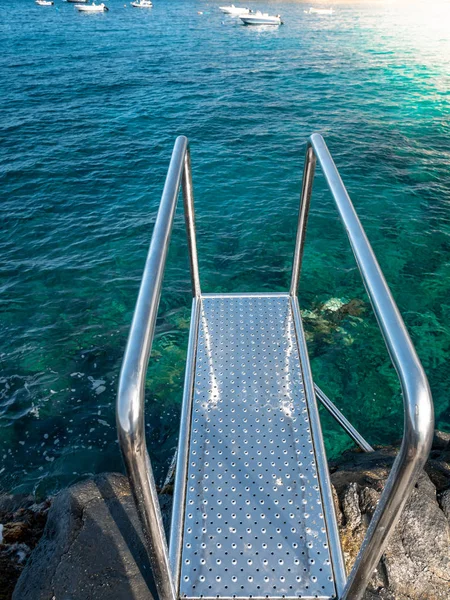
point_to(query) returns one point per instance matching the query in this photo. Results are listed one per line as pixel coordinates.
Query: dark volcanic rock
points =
(444, 502)
(22, 523)
(441, 440)
(92, 547)
(416, 563)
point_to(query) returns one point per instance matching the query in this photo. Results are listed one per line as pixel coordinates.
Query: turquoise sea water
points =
(90, 108)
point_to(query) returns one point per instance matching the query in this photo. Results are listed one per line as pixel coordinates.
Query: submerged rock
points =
(92, 546)
(324, 321)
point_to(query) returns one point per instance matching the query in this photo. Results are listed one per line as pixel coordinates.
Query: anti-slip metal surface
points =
(254, 524)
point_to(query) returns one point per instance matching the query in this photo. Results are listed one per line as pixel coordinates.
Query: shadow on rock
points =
(92, 547)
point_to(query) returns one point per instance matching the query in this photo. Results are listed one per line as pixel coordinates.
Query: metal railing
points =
(342, 420)
(418, 404)
(130, 399)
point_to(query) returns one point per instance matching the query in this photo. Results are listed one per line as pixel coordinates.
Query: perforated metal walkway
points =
(254, 525)
(253, 513)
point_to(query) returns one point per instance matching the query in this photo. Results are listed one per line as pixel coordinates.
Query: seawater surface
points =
(90, 108)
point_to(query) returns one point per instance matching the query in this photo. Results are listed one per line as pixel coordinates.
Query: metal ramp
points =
(253, 513)
(254, 523)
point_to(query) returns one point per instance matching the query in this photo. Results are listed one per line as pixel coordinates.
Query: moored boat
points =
(45, 2)
(235, 10)
(142, 4)
(92, 8)
(260, 18)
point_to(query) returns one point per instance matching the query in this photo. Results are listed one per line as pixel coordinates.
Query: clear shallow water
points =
(90, 108)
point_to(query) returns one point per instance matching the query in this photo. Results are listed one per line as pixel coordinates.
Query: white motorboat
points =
(235, 10)
(260, 18)
(92, 8)
(319, 11)
(142, 4)
(44, 2)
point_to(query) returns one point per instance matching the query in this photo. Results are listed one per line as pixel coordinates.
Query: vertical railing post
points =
(305, 201)
(189, 216)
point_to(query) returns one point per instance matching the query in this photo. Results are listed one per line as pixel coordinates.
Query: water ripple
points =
(91, 106)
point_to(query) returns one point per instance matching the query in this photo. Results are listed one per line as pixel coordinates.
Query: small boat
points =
(319, 11)
(44, 2)
(259, 18)
(235, 10)
(92, 8)
(142, 4)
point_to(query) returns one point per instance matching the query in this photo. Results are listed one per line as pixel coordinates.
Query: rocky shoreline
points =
(86, 542)
(416, 563)
(22, 523)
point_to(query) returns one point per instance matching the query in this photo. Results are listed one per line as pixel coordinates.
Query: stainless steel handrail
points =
(417, 400)
(130, 399)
